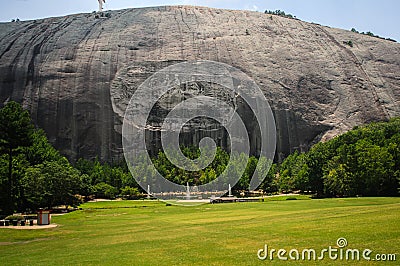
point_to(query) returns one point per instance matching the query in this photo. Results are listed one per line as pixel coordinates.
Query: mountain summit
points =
(76, 73)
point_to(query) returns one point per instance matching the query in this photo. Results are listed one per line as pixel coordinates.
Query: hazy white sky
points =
(378, 16)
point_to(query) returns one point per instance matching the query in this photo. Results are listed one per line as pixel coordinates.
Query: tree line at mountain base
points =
(364, 161)
(33, 174)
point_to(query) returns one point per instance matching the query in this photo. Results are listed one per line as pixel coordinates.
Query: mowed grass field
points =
(151, 233)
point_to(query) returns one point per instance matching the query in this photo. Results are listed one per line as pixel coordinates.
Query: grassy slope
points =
(150, 233)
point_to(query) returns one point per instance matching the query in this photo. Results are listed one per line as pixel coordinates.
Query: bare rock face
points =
(77, 73)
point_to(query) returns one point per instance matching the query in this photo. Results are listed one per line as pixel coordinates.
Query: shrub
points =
(279, 13)
(106, 191)
(389, 39)
(354, 30)
(371, 34)
(130, 192)
(368, 33)
(349, 43)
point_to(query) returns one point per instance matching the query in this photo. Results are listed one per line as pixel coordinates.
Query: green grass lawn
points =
(151, 233)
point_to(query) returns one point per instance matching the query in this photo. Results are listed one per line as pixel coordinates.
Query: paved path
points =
(27, 227)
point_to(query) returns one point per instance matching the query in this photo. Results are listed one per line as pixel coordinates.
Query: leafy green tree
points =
(86, 187)
(97, 174)
(317, 157)
(35, 186)
(20, 164)
(339, 180)
(130, 192)
(85, 166)
(51, 184)
(269, 183)
(116, 175)
(16, 131)
(354, 30)
(211, 175)
(106, 191)
(40, 150)
(302, 177)
(294, 173)
(375, 169)
(279, 13)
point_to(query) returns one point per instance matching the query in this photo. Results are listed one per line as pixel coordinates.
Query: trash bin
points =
(31, 222)
(22, 222)
(43, 217)
(6, 222)
(2, 222)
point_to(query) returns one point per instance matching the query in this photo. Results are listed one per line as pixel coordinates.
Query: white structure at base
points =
(101, 5)
(187, 191)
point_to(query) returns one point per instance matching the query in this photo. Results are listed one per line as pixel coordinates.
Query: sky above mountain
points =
(380, 17)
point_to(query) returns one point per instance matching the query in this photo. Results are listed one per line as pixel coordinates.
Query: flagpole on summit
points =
(101, 4)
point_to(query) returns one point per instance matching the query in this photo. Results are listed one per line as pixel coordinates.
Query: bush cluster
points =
(279, 13)
(368, 33)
